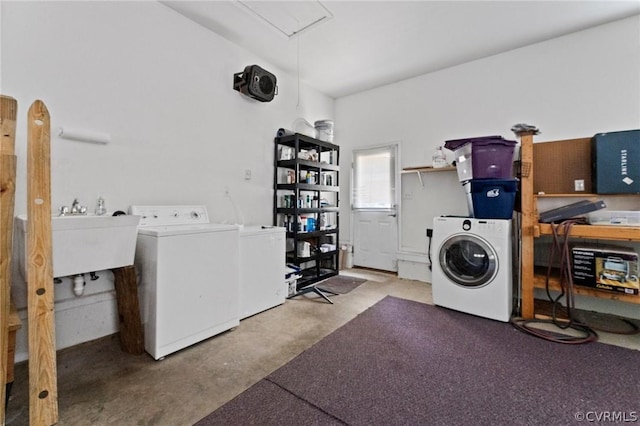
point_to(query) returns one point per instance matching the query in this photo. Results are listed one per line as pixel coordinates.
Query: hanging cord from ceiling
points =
(560, 250)
(298, 67)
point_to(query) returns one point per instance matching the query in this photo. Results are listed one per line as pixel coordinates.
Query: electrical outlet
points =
(247, 174)
(578, 184)
(429, 232)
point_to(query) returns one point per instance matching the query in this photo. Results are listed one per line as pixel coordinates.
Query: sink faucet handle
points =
(63, 210)
(75, 206)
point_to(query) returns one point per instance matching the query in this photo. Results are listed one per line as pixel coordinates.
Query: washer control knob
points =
(466, 225)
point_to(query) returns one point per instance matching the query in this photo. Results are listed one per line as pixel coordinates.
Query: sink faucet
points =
(76, 209)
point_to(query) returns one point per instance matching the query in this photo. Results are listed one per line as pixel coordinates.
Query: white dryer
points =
(189, 276)
(472, 266)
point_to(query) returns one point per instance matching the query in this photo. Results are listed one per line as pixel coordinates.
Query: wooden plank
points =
(608, 232)
(43, 393)
(529, 220)
(428, 169)
(14, 326)
(131, 333)
(8, 115)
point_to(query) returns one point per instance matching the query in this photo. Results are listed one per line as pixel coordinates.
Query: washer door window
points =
(468, 261)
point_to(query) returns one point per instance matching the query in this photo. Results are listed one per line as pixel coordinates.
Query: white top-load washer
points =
(262, 269)
(189, 276)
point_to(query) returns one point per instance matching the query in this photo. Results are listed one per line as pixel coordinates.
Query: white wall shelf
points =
(426, 169)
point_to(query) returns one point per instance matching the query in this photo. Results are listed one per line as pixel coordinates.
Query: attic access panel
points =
(289, 18)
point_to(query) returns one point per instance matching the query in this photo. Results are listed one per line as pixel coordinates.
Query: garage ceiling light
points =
(289, 17)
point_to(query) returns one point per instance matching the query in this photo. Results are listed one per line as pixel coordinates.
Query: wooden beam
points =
(529, 220)
(43, 392)
(8, 115)
(131, 333)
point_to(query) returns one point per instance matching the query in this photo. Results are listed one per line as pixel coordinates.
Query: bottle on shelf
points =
(438, 159)
(322, 221)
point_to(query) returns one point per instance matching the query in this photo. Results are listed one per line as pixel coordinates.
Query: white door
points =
(374, 208)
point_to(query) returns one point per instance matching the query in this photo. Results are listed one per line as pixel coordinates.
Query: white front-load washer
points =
(472, 266)
(189, 276)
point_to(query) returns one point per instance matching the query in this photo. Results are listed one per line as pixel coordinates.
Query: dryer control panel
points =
(170, 215)
(488, 227)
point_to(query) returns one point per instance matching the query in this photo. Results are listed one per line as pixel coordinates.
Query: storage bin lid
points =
(323, 123)
(479, 185)
(455, 144)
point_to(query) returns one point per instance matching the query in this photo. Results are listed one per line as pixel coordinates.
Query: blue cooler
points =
(493, 198)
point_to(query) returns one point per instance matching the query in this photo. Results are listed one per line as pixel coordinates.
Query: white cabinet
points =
(262, 269)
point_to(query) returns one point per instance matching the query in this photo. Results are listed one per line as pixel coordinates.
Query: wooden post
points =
(131, 334)
(8, 114)
(529, 220)
(43, 389)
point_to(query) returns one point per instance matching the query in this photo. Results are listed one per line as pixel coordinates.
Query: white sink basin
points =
(84, 244)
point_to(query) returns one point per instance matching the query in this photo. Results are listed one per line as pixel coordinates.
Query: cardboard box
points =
(616, 162)
(606, 267)
(562, 167)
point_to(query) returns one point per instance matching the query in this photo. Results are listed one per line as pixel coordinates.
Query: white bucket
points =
(304, 249)
(324, 130)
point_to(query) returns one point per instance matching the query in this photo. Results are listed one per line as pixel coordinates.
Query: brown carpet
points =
(340, 284)
(407, 363)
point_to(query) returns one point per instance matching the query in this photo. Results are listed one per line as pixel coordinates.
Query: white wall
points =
(161, 85)
(573, 86)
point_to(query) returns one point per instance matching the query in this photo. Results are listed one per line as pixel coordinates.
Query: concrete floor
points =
(100, 385)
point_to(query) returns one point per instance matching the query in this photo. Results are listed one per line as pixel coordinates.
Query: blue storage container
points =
(493, 198)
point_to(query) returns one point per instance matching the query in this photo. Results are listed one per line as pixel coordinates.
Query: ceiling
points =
(366, 44)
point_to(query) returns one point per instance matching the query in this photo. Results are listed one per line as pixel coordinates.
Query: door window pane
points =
(373, 178)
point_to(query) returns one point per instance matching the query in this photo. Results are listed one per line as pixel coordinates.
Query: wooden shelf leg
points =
(528, 222)
(43, 385)
(8, 115)
(131, 332)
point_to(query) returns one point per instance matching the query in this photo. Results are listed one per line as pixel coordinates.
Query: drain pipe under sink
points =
(78, 284)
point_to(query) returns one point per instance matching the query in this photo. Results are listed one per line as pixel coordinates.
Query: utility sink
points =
(84, 244)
